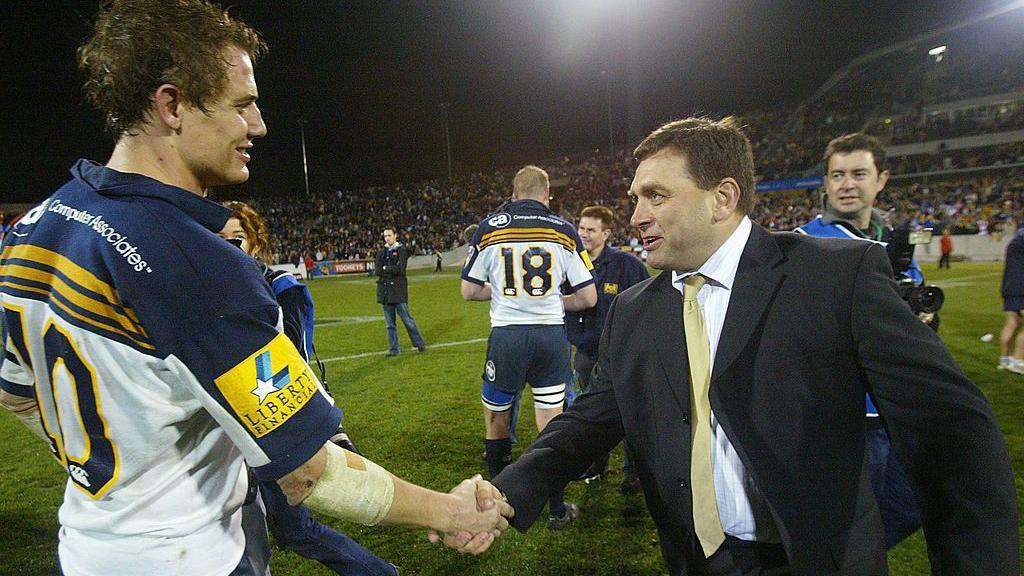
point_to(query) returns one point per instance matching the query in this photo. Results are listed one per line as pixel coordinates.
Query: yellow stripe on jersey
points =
(586, 259)
(527, 235)
(78, 316)
(76, 273)
(269, 387)
(70, 293)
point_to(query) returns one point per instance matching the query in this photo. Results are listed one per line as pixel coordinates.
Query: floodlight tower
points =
(305, 169)
(608, 102)
(447, 138)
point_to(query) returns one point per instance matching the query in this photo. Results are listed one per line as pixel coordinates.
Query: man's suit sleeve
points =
(943, 430)
(569, 443)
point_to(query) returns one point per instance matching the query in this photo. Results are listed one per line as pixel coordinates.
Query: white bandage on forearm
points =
(32, 420)
(352, 488)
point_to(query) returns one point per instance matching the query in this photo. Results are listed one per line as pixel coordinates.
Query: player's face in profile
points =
(389, 237)
(234, 233)
(593, 233)
(215, 145)
(852, 182)
(673, 214)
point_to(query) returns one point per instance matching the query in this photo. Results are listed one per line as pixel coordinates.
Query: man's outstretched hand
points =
(480, 517)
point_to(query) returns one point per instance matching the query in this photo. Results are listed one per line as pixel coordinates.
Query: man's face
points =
(852, 182)
(215, 146)
(593, 233)
(234, 233)
(673, 214)
(389, 237)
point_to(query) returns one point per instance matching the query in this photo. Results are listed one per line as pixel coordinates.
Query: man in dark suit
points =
(784, 335)
(393, 292)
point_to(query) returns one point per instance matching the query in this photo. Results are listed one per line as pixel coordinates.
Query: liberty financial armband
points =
(269, 387)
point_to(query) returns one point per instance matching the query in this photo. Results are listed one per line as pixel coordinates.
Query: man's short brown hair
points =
(602, 213)
(714, 149)
(137, 45)
(853, 143)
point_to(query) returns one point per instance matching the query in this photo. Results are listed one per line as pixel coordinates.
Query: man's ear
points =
(883, 178)
(168, 106)
(727, 197)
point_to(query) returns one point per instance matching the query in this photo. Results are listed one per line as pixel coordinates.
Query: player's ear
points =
(168, 106)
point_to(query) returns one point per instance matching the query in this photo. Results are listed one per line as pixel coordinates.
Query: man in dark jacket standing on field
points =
(393, 291)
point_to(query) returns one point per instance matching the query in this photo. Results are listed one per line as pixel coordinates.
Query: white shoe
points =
(1004, 362)
(1017, 366)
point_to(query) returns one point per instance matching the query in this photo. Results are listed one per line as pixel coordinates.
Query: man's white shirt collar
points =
(720, 268)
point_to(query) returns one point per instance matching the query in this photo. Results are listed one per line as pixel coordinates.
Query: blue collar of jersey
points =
(109, 182)
(529, 203)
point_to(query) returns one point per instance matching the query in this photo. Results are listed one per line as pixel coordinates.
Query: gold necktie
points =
(706, 521)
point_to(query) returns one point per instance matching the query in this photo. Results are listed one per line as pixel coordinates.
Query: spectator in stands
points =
(1013, 304)
(393, 292)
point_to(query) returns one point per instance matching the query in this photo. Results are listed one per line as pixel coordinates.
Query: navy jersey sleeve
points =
(213, 317)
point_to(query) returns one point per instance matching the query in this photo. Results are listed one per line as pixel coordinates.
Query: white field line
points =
(963, 280)
(383, 352)
(336, 320)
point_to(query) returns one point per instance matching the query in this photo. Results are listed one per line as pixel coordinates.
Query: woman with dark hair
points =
(294, 527)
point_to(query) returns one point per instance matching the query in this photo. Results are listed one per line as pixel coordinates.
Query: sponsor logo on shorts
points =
(489, 370)
(500, 220)
(268, 388)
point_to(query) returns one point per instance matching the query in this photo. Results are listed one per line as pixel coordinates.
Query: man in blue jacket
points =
(855, 175)
(614, 271)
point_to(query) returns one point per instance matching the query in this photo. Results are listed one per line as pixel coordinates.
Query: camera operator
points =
(855, 174)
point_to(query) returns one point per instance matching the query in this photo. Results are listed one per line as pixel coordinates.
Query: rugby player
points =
(519, 258)
(146, 351)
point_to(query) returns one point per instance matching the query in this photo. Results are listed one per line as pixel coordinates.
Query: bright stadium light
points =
(937, 50)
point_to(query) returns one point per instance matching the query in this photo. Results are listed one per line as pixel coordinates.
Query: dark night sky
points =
(523, 78)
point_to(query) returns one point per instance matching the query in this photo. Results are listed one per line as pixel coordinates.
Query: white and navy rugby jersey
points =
(526, 252)
(153, 349)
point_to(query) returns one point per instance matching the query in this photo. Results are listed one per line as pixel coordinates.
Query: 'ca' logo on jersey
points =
(266, 381)
(611, 288)
(500, 221)
(489, 370)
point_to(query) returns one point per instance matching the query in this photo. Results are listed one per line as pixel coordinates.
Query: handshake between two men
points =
(480, 516)
(351, 487)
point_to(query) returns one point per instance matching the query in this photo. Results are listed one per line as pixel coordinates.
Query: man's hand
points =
(484, 508)
(926, 317)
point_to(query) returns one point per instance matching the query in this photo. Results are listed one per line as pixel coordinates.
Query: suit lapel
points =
(756, 281)
(667, 333)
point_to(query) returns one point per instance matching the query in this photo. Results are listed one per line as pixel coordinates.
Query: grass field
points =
(419, 415)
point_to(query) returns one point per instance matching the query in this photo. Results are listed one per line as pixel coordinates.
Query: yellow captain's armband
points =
(266, 389)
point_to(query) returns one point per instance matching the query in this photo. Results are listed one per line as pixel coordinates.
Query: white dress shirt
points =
(742, 509)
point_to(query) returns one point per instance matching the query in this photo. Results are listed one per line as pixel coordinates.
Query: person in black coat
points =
(797, 330)
(393, 291)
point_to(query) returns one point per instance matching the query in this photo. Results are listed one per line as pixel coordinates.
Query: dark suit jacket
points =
(812, 325)
(392, 285)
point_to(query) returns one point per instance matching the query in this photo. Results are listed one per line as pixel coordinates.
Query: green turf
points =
(419, 415)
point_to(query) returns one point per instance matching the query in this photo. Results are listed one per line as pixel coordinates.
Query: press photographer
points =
(855, 174)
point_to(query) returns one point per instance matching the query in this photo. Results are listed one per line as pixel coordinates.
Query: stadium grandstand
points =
(954, 123)
(949, 104)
